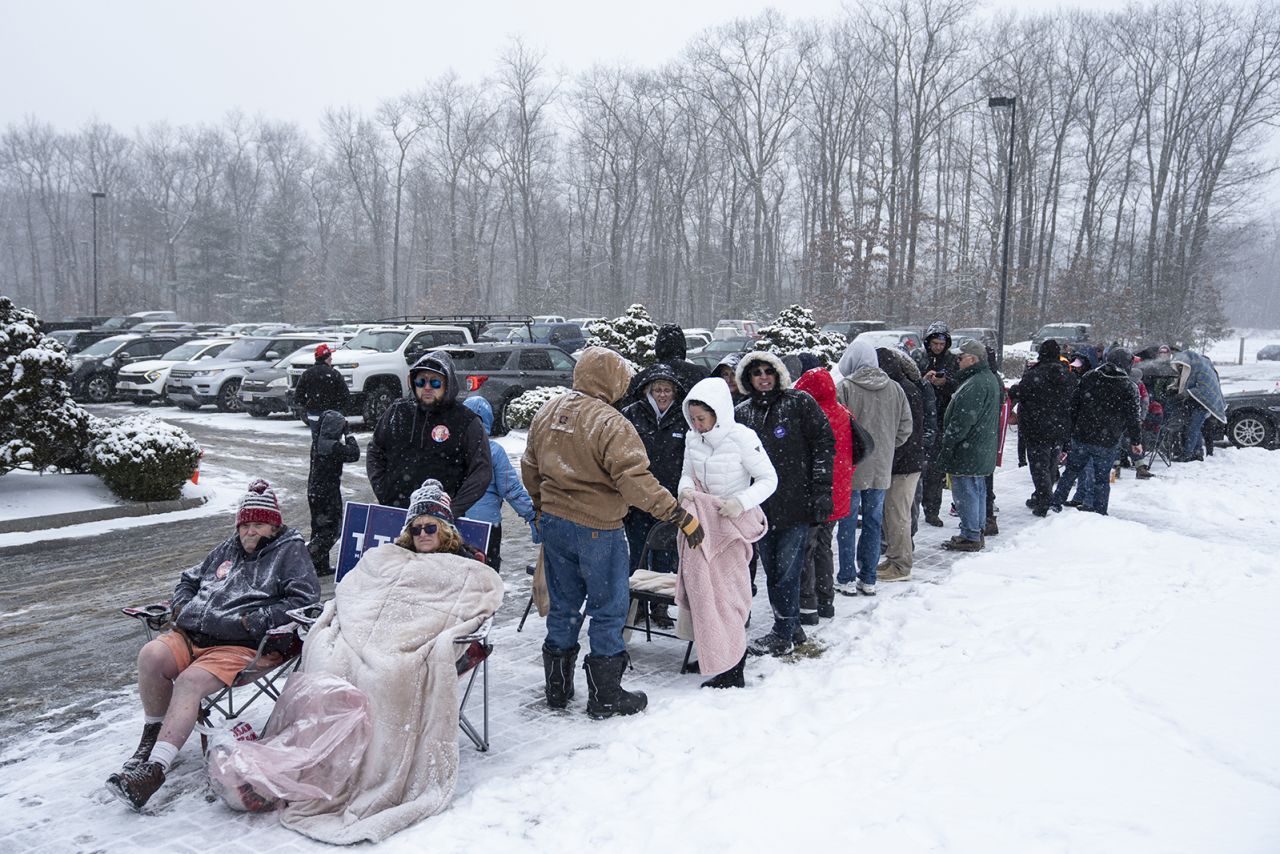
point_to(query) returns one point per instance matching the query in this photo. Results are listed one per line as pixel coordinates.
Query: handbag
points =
(863, 445)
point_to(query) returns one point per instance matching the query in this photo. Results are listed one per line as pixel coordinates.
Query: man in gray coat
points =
(882, 409)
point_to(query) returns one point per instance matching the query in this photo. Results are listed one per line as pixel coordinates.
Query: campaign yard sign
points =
(367, 526)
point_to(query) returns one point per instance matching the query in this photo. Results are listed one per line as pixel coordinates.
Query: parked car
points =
(122, 322)
(75, 340)
(143, 382)
(375, 363)
(265, 390)
(907, 340)
(192, 385)
(502, 372)
(1269, 353)
(566, 336)
(984, 336)
(95, 369)
(710, 355)
(730, 328)
(583, 321)
(549, 318)
(163, 326)
(851, 329)
(1063, 333)
(77, 323)
(1253, 419)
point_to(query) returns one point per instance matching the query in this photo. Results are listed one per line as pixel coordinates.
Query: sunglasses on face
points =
(419, 530)
(423, 382)
(763, 372)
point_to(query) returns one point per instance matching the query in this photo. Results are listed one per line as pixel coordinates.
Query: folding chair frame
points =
(659, 534)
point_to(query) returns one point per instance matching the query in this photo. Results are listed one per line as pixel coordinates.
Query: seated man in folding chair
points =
(221, 611)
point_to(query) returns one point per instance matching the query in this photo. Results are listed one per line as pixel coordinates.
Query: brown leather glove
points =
(688, 523)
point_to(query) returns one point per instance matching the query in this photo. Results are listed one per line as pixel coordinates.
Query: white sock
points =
(163, 753)
(152, 719)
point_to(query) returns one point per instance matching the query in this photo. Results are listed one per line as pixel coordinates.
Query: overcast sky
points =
(133, 62)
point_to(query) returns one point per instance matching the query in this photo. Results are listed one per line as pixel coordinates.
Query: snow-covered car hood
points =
(148, 365)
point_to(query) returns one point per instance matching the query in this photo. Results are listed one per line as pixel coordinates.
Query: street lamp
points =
(95, 195)
(999, 103)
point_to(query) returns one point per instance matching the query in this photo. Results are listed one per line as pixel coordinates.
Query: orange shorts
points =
(224, 662)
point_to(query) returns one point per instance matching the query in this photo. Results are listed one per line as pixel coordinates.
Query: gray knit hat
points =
(974, 347)
(430, 499)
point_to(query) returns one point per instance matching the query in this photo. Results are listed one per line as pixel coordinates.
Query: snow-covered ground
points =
(1086, 684)
(24, 494)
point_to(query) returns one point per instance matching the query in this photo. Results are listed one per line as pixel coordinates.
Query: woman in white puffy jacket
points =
(725, 468)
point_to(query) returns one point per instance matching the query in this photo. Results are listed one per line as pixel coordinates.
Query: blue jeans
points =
(1194, 437)
(865, 548)
(782, 556)
(1101, 459)
(969, 492)
(589, 564)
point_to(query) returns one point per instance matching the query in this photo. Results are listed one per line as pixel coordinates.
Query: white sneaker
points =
(847, 588)
(866, 589)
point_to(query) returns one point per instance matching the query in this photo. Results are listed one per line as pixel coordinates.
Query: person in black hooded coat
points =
(1043, 396)
(332, 446)
(662, 432)
(938, 367)
(430, 434)
(669, 349)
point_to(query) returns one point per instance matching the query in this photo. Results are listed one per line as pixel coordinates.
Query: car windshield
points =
(184, 352)
(541, 330)
(1056, 329)
(724, 345)
(117, 322)
(496, 333)
(246, 349)
(105, 347)
(836, 328)
(882, 339)
(386, 341)
(469, 361)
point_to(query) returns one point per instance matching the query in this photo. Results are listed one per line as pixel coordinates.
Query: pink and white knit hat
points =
(259, 504)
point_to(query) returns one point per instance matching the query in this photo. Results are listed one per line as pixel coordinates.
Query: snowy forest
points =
(852, 166)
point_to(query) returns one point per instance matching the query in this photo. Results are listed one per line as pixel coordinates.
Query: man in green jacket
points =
(970, 431)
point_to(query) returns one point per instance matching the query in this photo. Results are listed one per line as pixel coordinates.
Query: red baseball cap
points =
(323, 351)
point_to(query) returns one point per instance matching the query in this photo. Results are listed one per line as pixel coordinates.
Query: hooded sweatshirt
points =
(817, 383)
(728, 460)
(584, 461)
(415, 441)
(663, 433)
(505, 483)
(881, 408)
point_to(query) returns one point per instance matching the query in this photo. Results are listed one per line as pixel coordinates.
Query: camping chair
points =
(662, 537)
(258, 678)
(473, 651)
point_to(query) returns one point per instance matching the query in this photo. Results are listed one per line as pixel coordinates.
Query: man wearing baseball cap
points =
(321, 387)
(970, 433)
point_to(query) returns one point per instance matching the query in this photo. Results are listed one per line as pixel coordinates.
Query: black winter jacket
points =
(663, 436)
(321, 387)
(1105, 407)
(331, 447)
(797, 437)
(908, 458)
(942, 363)
(1044, 397)
(446, 441)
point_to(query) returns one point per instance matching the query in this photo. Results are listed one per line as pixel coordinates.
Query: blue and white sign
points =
(367, 526)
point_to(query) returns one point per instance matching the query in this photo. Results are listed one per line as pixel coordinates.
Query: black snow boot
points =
(605, 695)
(731, 678)
(135, 786)
(150, 732)
(558, 668)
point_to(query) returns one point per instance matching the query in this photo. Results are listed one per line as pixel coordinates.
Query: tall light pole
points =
(999, 103)
(95, 195)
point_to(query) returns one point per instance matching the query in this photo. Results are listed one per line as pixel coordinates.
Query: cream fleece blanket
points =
(389, 631)
(714, 584)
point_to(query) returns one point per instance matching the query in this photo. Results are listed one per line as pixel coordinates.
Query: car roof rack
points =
(475, 323)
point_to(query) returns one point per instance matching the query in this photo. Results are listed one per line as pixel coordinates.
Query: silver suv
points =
(191, 385)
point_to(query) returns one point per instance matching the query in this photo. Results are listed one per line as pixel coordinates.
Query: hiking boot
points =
(135, 786)
(1084, 509)
(1056, 508)
(661, 619)
(1031, 502)
(992, 528)
(1143, 472)
(933, 520)
(605, 695)
(771, 644)
(1040, 511)
(798, 636)
(557, 667)
(1073, 502)
(888, 572)
(809, 618)
(847, 588)
(731, 678)
(826, 610)
(150, 732)
(866, 589)
(960, 544)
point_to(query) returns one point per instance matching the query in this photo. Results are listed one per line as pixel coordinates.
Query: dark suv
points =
(95, 368)
(502, 372)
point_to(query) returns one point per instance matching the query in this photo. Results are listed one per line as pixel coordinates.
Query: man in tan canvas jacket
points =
(584, 465)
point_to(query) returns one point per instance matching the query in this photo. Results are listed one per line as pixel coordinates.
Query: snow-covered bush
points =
(143, 459)
(520, 411)
(794, 331)
(634, 335)
(40, 426)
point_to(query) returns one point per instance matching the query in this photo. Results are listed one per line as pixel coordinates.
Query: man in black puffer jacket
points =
(1044, 396)
(429, 434)
(938, 367)
(669, 349)
(321, 387)
(1104, 409)
(797, 437)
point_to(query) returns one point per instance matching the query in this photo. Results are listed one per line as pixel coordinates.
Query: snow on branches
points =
(634, 335)
(794, 331)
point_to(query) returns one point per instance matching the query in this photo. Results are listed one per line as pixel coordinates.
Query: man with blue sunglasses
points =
(429, 434)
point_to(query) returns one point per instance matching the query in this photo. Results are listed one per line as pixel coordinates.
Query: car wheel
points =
(98, 389)
(500, 427)
(187, 406)
(1249, 430)
(229, 397)
(376, 401)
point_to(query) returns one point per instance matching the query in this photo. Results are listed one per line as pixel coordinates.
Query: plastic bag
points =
(310, 748)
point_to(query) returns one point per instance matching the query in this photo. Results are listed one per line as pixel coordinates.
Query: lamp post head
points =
(997, 102)
(98, 194)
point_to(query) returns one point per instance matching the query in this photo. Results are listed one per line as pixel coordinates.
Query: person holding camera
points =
(939, 367)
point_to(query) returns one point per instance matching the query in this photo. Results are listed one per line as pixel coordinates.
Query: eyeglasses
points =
(419, 530)
(422, 382)
(763, 372)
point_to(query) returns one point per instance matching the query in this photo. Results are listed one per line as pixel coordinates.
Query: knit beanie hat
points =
(1049, 350)
(259, 504)
(973, 347)
(430, 499)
